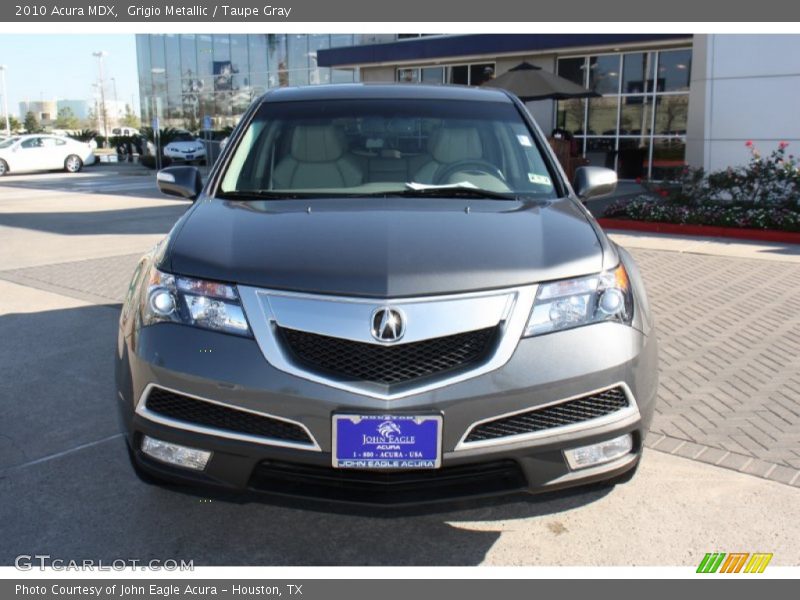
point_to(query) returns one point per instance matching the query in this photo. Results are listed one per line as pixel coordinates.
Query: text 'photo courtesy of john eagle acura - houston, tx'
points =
(386, 294)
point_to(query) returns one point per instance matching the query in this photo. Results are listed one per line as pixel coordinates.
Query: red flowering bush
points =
(763, 194)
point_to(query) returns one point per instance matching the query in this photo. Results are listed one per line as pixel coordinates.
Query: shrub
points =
(773, 180)
(646, 208)
(763, 194)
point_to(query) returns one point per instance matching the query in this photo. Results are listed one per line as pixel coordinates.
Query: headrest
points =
(452, 144)
(318, 143)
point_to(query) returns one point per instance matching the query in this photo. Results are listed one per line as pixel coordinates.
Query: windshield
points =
(183, 136)
(9, 142)
(382, 147)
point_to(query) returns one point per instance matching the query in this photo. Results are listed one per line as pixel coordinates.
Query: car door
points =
(30, 155)
(54, 153)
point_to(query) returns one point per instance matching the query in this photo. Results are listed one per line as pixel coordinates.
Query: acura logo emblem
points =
(388, 324)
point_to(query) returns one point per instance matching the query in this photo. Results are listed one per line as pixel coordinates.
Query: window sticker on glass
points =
(524, 140)
(539, 179)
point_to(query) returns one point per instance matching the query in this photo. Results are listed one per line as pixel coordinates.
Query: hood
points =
(377, 247)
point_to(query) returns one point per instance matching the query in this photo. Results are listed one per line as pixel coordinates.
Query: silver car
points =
(386, 294)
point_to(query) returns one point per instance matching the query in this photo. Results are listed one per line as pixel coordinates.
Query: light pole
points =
(116, 102)
(5, 98)
(99, 56)
(156, 133)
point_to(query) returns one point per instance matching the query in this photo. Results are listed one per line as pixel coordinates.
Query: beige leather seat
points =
(318, 158)
(449, 145)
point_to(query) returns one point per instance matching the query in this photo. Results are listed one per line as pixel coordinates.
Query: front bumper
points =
(543, 370)
(184, 156)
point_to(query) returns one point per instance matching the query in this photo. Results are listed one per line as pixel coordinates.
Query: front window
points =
(9, 142)
(376, 147)
(34, 142)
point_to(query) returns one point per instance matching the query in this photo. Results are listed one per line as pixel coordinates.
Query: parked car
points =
(186, 148)
(40, 152)
(386, 294)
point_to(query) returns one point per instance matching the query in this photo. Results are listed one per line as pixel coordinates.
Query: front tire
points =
(73, 163)
(3, 167)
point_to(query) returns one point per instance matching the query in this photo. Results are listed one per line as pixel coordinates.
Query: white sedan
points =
(186, 148)
(40, 152)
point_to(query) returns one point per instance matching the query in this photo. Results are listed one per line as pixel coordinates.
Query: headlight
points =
(207, 304)
(581, 301)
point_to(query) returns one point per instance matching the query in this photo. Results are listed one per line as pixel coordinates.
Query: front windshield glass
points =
(376, 147)
(9, 142)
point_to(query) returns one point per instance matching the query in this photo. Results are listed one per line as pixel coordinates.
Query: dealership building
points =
(662, 100)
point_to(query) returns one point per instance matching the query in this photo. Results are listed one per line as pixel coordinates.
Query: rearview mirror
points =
(594, 182)
(184, 182)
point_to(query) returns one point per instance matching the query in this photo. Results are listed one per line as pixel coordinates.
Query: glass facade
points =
(638, 124)
(186, 77)
(468, 74)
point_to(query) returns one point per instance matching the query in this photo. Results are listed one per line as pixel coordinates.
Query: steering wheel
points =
(470, 164)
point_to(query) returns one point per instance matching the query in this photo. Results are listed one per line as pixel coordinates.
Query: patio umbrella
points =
(530, 82)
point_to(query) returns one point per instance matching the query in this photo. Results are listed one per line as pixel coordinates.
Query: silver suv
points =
(386, 294)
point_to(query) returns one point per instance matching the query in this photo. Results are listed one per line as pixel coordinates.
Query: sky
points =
(48, 66)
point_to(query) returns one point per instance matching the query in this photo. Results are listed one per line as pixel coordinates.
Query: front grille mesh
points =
(388, 364)
(566, 413)
(198, 412)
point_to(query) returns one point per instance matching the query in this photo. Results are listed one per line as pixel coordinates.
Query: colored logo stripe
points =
(758, 562)
(713, 562)
(734, 562)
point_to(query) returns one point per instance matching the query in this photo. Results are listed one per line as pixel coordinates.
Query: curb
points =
(741, 463)
(763, 235)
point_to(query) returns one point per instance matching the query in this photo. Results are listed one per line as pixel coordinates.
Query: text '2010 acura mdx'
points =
(386, 294)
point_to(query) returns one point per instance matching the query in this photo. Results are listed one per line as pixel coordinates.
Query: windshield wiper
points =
(416, 190)
(412, 190)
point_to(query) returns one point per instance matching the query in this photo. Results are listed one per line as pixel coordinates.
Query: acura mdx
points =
(386, 294)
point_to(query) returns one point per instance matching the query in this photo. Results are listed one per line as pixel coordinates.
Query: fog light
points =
(596, 454)
(175, 454)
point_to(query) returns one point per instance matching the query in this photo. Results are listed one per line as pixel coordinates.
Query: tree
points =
(131, 119)
(66, 119)
(13, 123)
(31, 123)
(91, 121)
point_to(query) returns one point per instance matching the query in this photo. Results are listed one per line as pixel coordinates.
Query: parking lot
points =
(721, 471)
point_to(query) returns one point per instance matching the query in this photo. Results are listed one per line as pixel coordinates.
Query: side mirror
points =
(594, 182)
(184, 182)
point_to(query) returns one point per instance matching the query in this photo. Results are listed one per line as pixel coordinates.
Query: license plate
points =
(189, 156)
(387, 441)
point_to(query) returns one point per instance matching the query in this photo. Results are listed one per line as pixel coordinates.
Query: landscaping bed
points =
(760, 201)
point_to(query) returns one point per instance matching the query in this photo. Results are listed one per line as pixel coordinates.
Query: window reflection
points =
(671, 114)
(603, 116)
(573, 69)
(637, 74)
(643, 110)
(570, 115)
(185, 77)
(604, 74)
(674, 70)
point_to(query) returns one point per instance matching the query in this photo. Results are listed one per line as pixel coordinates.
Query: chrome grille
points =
(207, 414)
(570, 412)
